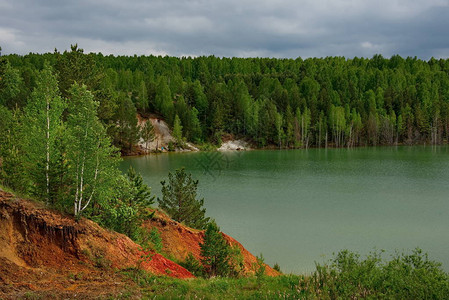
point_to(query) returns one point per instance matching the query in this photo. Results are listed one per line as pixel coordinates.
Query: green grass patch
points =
(346, 276)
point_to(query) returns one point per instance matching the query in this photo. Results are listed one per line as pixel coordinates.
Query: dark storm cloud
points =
(284, 28)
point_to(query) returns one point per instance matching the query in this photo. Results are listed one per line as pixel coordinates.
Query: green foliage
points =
(141, 194)
(91, 160)
(125, 211)
(126, 132)
(406, 276)
(171, 146)
(236, 262)
(276, 267)
(156, 240)
(42, 134)
(149, 240)
(142, 98)
(11, 86)
(117, 212)
(177, 131)
(215, 252)
(163, 100)
(193, 266)
(101, 262)
(76, 67)
(195, 132)
(342, 102)
(259, 268)
(179, 200)
(12, 168)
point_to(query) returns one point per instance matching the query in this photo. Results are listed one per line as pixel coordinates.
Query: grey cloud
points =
(283, 28)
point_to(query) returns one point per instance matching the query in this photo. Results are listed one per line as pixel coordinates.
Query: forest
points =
(285, 103)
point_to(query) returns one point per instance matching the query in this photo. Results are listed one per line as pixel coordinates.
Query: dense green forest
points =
(286, 103)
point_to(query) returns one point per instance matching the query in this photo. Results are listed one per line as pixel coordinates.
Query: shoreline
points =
(273, 148)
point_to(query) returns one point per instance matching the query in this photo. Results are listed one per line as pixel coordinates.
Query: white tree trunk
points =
(47, 167)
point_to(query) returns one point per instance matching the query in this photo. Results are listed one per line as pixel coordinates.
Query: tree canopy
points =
(290, 103)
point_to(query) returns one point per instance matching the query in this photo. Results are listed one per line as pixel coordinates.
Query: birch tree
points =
(92, 161)
(42, 128)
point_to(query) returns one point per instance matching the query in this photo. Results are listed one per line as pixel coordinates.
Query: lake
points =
(300, 206)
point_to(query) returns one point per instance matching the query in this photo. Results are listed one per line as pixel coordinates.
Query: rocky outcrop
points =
(234, 145)
(162, 137)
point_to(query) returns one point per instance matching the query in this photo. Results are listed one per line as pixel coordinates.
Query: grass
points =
(347, 276)
(17, 195)
(156, 287)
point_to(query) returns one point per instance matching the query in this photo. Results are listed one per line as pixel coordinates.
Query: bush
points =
(236, 262)
(259, 268)
(126, 211)
(193, 266)
(156, 240)
(411, 276)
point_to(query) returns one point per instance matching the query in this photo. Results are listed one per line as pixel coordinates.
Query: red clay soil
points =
(179, 240)
(51, 254)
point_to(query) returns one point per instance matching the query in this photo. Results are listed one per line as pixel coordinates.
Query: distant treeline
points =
(289, 103)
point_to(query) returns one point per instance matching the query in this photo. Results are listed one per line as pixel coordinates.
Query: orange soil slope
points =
(179, 240)
(44, 250)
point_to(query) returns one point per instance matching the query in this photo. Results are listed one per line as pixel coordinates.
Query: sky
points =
(242, 28)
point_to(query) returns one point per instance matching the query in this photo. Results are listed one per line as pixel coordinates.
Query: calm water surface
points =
(300, 206)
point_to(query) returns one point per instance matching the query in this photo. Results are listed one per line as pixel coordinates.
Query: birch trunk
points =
(47, 166)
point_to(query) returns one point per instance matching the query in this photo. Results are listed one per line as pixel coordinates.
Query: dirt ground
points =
(43, 252)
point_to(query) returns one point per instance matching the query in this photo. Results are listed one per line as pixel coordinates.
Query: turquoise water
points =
(300, 206)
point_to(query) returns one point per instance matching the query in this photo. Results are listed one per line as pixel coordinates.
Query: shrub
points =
(156, 240)
(193, 266)
(276, 267)
(411, 276)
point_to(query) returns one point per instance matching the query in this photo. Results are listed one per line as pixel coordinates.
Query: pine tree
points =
(215, 252)
(179, 200)
(177, 131)
(142, 192)
(75, 66)
(195, 126)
